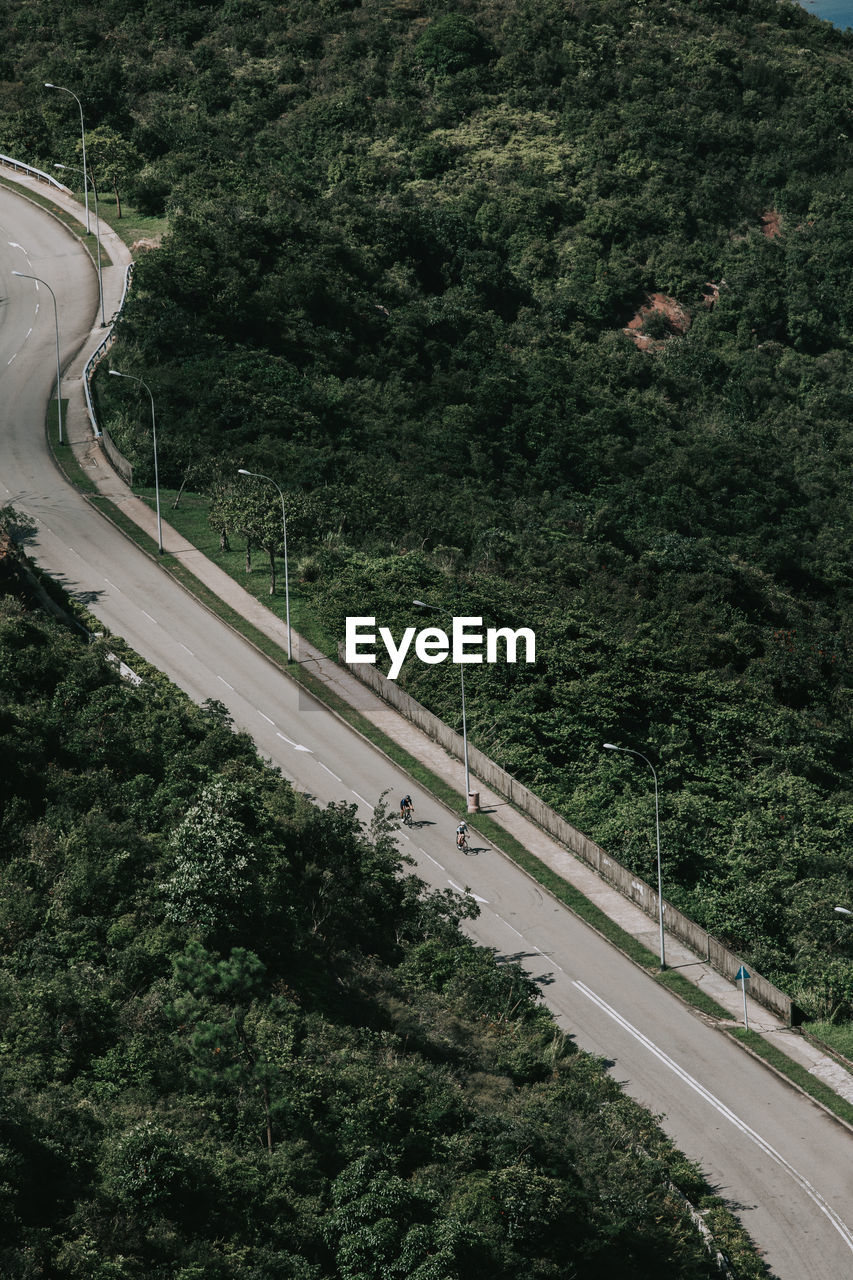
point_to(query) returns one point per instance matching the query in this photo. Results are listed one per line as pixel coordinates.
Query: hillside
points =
(411, 265)
(237, 1042)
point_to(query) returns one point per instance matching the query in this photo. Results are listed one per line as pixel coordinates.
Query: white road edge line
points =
(328, 770)
(840, 1226)
(266, 717)
(225, 682)
(371, 807)
(432, 859)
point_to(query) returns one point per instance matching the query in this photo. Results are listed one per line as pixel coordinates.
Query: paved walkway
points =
(624, 913)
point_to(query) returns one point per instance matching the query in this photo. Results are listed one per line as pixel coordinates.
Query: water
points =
(838, 12)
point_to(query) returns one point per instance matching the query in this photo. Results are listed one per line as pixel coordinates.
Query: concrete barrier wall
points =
(118, 460)
(628, 884)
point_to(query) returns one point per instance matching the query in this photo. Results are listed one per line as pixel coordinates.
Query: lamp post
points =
(610, 746)
(97, 233)
(241, 471)
(843, 911)
(26, 276)
(422, 604)
(114, 373)
(83, 138)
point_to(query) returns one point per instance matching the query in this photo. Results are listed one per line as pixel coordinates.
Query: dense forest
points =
(238, 1043)
(540, 310)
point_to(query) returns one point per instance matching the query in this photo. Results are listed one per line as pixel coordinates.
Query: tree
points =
(111, 158)
(212, 859)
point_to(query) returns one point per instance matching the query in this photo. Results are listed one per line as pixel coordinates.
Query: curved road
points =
(781, 1162)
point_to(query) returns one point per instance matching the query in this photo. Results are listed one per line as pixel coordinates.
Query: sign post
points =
(741, 976)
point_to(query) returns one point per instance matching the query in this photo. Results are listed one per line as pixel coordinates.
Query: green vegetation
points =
(839, 1038)
(405, 241)
(236, 1042)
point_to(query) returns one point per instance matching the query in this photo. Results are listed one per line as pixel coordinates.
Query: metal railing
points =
(98, 354)
(20, 167)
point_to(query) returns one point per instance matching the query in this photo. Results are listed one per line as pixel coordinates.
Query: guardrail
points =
(97, 356)
(116, 457)
(39, 174)
(630, 886)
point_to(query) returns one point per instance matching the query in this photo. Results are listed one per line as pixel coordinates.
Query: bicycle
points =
(407, 817)
(462, 842)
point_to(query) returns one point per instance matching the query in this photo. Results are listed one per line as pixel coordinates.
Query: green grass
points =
(65, 455)
(132, 225)
(799, 1075)
(38, 197)
(837, 1036)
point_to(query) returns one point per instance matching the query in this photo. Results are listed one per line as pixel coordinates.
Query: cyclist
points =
(406, 810)
(461, 834)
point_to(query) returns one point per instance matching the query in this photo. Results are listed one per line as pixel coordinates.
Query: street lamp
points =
(114, 373)
(26, 276)
(83, 137)
(422, 604)
(97, 233)
(610, 746)
(241, 471)
(844, 911)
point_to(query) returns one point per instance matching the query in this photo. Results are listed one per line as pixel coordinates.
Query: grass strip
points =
(89, 240)
(64, 454)
(799, 1075)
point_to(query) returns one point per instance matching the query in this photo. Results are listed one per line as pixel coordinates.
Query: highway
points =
(781, 1162)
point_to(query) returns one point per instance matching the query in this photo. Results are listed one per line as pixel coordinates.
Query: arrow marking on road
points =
(468, 893)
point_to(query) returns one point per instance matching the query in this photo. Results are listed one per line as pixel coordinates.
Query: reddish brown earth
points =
(771, 224)
(677, 319)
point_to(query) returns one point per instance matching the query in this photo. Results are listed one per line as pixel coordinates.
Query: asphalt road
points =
(781, 1162)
